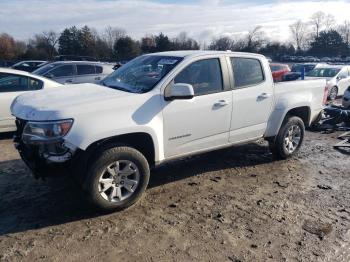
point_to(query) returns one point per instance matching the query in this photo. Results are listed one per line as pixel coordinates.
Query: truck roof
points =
(194, 53)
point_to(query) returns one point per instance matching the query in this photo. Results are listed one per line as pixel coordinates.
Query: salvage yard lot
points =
(237, 204)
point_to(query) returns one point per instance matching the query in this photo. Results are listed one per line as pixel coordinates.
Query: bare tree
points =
(222, 43)
(51, 39)
(183, 42)
(344, 31)
(329, 22)
(299, 33)
(255, 39)
(317, 20)
(112, 35)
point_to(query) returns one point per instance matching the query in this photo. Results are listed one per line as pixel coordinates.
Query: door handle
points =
(97, 78)
(69, 81)
(264, 96)
(221, 103)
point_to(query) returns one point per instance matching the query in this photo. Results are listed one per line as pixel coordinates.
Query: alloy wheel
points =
(292, 138)
(119, 181)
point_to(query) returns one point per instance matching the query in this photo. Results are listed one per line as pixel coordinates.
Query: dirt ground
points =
(237, 204)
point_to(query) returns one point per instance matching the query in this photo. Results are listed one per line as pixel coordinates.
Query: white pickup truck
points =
(156, 108)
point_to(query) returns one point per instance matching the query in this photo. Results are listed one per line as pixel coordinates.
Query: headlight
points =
(46, 131)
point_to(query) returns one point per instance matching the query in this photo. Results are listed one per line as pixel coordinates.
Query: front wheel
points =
(289, 139)
(117, 179)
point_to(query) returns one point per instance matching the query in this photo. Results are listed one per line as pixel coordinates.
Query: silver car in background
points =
(75, 72)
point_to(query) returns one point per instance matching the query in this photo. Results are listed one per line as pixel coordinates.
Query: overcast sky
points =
(202, 19)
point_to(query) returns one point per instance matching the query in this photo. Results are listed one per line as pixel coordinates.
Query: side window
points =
(204, 75)
(13, 83)
(35, 84)
(64, 70)
(85, 69)
(247, 72)
(99, 70)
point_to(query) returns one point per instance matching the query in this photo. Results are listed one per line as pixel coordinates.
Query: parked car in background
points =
(75, 72)
(156, 108)
(298, 70)
(337, 76)
(311, 59)
(306, 67)
(74, 58)
(326, 59)
(346, 98)
(13, 83)
(278, 71)
(29, 65)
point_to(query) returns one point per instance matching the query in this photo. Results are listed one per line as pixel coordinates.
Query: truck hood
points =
(64, 102)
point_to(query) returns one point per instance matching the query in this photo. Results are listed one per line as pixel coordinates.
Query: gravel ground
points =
(237, 204)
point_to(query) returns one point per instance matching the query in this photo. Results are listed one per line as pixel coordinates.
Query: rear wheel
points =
(333, 93)
(117, 178)
(289, 139)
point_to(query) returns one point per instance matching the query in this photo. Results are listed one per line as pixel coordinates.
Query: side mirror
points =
(178, 91)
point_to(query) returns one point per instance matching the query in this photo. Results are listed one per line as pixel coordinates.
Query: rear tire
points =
(117, 179)
(289, 138)
(333, 93)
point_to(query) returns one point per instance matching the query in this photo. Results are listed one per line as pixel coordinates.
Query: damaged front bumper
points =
(44, 158)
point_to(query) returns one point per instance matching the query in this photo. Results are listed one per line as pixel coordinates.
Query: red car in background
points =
(278, 71)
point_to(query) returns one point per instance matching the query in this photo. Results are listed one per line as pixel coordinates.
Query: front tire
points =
(289, 139)
(117, 179)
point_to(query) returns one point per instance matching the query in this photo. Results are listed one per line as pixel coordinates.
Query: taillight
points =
(325, 95)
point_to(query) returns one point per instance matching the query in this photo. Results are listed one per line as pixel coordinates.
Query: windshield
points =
(324, 72)
(44, 69)
(141, 74)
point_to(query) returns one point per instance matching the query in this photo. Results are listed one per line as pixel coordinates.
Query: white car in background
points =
(338, 78)
(75, 72)
(13, 83)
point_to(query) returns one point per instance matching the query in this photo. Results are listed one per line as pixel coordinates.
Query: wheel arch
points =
(141, 141)
(279, 116)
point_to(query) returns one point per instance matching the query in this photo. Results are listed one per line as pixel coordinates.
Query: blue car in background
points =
(299, 71)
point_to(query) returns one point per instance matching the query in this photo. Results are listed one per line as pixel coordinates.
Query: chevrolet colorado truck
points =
(159, 107)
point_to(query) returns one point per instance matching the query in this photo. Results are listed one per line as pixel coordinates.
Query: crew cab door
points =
(202, 122)
(252, 98)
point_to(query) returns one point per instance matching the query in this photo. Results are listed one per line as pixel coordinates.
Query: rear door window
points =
(85, 69)
(247, 72)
